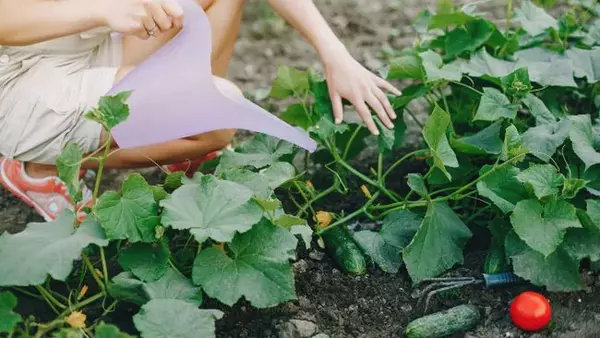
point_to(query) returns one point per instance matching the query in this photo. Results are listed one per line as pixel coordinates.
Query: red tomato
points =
(531, 311)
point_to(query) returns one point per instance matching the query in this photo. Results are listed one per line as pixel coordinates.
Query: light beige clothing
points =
(46, 88)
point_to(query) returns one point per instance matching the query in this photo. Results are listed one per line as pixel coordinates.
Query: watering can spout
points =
(174, 95)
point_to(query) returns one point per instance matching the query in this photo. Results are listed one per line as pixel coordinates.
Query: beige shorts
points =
(45, 90)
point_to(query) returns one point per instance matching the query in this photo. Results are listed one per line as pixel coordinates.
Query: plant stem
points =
(322, 194)
(379, 167)
(404, 158)
(368, 180)
(30, 294)
(306, 199)
(48, 296)
(82, 304)
(90, 266)
(356, 213)
(101, 163)
(43, 329)
(468, 87)
(509, 5)
(104, 267)
(350, 141)
(414, 117)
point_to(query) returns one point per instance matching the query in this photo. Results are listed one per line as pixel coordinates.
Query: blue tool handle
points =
(500, 279)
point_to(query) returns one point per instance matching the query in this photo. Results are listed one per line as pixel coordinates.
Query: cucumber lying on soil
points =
(346, 253)
(461, 318)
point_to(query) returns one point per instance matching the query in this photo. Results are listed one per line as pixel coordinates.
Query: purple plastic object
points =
(174, 95)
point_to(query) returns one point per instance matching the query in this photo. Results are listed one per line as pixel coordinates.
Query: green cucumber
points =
(461, 318)
(495, 260)
(344, 251)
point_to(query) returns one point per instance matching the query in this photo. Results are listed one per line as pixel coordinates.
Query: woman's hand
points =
(348, 79)
(142, 18)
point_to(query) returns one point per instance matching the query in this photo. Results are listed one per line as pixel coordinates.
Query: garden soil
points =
(330, 302)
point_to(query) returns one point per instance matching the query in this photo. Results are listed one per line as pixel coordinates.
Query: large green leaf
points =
(407, 65)
(586, 63)
(131, 214)
(264, 182)
(436, 70)
(543, 140)
(385, 247)
(172, 285)
(212, 208)
(146, 261)
(538, 109)
(543, 227)
(261, 151)
(434, 134)
(468, 38)
(111, 111)
(416, 182)
(557, 272)
(593, 211)
(8, 318)
(555, 70)
(296, 115)
(172, 318)
(68, 165)
(443, 20)
(534, 19)
(586, 142)
(289, 81)
(257, 267)
(544, 179)
(44, 249)
(494, 106)
(438, 244)
(502, 187)
(486, 141)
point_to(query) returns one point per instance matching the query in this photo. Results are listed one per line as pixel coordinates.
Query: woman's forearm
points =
(306, 18)
(25, 22)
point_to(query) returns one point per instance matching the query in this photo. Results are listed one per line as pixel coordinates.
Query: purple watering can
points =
(174, 95)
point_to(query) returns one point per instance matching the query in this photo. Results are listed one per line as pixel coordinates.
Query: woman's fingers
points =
(386, 85)
(365, 114)
(174, 11)
(385, 102)
(338, 108)
(160, 17)
(379, 110)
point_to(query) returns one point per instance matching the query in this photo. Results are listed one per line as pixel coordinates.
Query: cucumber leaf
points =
(543, 227)
(494, 106)
(256, 267)
(44, 249)
(543, 178)
(214, 209)
(131, 214)
(172, 285)
(147, 262)
(167, 318)
(502, 187)
(438, 244)
(8, 318)
(434, 133)
(558, 272)
(261, 151)
(264, 182)
(385, 246)
(543, 140)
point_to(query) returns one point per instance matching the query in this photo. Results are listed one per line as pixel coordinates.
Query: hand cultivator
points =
(439, 285)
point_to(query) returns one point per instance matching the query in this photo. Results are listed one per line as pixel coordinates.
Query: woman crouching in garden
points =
(58, 57)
